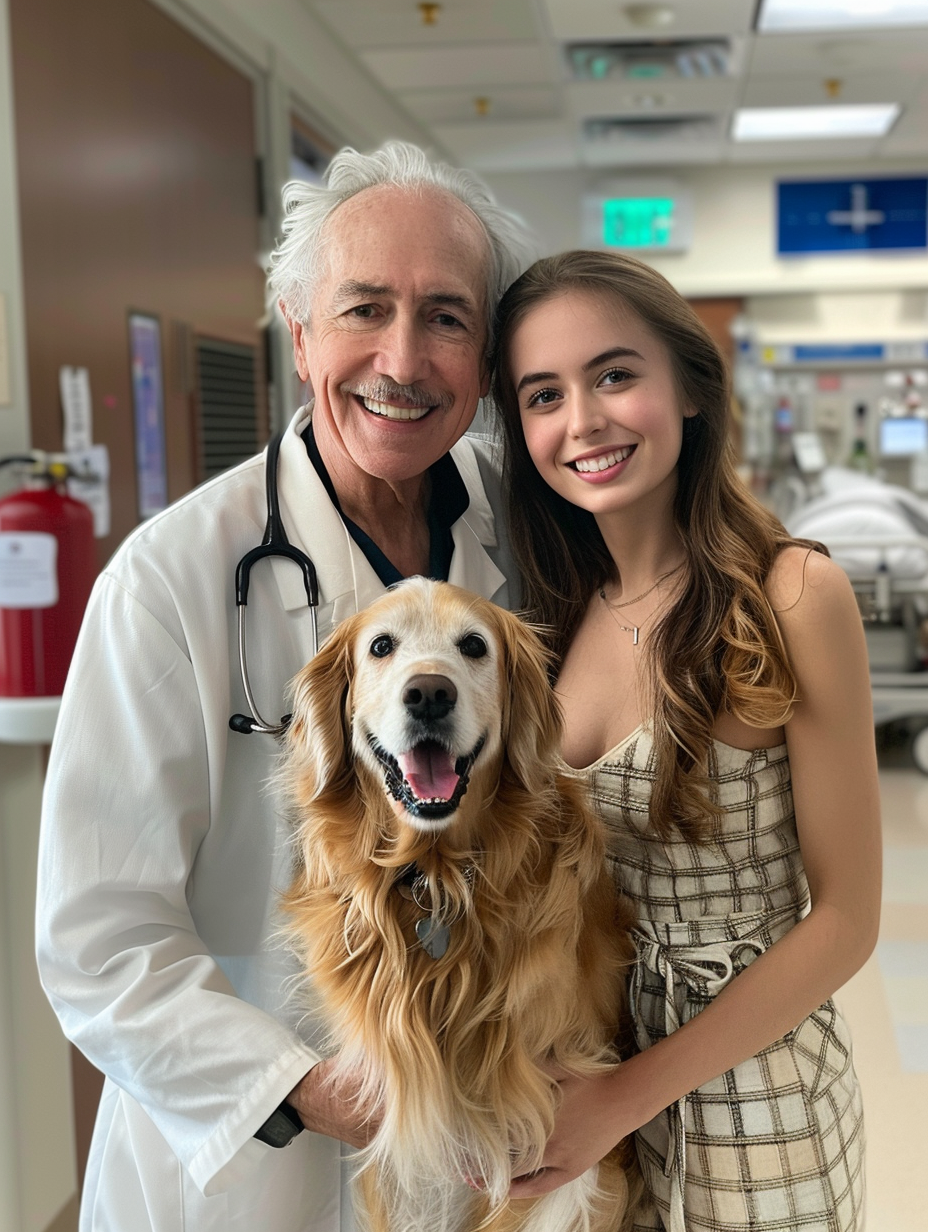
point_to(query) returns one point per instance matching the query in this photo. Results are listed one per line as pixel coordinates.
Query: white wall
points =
(733, 249)
(875, 315)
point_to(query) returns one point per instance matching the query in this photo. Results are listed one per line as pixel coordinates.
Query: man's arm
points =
(127, 808)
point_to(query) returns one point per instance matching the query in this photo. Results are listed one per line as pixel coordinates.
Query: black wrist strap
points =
(281, 1127)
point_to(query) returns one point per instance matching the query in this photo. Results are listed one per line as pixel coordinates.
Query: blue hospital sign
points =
(851, 215)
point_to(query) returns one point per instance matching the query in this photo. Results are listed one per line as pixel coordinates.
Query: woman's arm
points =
(834, 776)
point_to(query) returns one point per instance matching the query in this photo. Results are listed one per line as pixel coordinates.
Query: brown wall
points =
(717, 316)
(137, 180)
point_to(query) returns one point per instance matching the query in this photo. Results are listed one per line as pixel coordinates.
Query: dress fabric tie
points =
(703, 970)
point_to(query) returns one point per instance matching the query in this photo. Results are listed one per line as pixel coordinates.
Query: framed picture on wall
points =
(148, 410)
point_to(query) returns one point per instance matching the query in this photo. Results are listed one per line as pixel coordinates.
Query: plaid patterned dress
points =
(776, 1144)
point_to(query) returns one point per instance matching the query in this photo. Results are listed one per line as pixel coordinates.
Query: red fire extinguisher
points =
(47, 568)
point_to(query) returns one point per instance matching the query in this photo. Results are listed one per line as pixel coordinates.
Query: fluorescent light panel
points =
(783, 15)
(813, 123)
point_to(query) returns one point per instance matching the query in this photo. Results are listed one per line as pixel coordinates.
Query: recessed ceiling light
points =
(809, 123)
(782, 15)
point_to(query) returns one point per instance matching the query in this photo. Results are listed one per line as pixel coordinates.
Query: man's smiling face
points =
(395, 348)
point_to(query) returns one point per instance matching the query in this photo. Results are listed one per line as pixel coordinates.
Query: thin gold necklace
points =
(644, 594)
(632, 629)
(635, 630)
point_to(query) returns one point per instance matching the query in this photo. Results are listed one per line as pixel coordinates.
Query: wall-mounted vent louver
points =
(228, 405)
(651, 128)
(670, 61)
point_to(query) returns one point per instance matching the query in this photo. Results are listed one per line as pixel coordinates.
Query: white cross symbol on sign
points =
(858, 217)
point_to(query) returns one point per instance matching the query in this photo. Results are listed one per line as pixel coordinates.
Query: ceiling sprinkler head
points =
(650, 16)
(429, 13)
(482, 106)
(833, 86)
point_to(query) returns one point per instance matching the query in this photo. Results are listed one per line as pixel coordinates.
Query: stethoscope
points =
(274, 543)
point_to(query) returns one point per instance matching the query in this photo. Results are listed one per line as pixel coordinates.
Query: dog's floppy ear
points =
(317, 743)
(531, 718)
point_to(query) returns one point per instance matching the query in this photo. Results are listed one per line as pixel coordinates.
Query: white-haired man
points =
(162, 850)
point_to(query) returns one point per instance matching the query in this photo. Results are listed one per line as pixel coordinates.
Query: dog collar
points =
(434, 929)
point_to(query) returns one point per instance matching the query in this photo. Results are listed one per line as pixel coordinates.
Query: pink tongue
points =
(429, 771)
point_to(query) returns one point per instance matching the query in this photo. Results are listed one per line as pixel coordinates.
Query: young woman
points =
(713, 679)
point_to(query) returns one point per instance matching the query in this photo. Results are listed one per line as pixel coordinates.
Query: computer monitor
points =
(903, 437)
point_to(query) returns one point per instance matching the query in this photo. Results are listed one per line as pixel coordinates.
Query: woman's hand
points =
(331, 1106)
(591, 1120)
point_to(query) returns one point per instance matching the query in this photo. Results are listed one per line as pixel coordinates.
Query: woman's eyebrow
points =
(531, 377)
(614, 353)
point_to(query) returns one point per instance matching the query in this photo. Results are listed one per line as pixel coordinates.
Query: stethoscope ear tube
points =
(274, 543)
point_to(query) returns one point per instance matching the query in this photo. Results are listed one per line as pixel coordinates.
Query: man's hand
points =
(331, 1107)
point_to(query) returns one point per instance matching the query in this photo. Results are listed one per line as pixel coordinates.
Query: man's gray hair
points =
(296, 262)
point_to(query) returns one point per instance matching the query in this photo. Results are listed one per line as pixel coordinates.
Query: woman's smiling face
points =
(600, 408)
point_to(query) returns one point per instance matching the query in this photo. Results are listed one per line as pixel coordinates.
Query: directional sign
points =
(851, 215)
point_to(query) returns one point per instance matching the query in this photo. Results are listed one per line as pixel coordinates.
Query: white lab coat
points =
(163, 851)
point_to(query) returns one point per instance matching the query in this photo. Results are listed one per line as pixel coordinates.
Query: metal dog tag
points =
(434, 937)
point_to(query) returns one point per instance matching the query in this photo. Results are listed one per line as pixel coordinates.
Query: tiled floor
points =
(887, 1007)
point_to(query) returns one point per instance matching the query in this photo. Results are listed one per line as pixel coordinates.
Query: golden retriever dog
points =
(453, 911)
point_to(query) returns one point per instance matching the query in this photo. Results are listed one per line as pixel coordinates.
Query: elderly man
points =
(163, 850)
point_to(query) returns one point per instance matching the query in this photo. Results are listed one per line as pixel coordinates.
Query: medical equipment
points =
(273, 543)
(903, 437)
(878, 534)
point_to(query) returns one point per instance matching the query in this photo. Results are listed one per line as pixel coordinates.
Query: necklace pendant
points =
(634, 635)
(434, 936)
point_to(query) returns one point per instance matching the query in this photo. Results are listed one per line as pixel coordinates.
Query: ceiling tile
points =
(511, 147)
(460, 106)
(473, 65)
(626, 154)
(778, 152)
(397, 23)
(602, 98)
(806, 91)
(831, 55)
(909, 135)
(572, 20)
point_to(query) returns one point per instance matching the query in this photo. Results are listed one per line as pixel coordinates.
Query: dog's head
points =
(425, 691)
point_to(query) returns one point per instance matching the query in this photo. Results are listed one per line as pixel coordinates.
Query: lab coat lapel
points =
(346, 579)
(475, 531)
(313, 525)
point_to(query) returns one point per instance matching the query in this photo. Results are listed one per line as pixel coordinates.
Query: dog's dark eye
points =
(382, 646)
(473, 646)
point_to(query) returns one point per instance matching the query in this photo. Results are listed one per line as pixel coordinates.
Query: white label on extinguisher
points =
(28, 569)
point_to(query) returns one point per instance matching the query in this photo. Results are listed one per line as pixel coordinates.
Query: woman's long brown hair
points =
(718, 648)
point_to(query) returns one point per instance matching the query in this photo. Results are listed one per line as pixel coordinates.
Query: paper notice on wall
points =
(28, 569)
(91, 484)
(74, 384)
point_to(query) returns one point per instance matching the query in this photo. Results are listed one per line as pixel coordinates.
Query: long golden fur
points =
(456, 1051)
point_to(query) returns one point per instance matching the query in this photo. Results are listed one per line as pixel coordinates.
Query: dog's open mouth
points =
(426, 779)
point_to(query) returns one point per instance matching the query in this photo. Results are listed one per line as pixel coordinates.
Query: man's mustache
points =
(405, 395)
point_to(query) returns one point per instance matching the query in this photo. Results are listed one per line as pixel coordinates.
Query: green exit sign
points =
(637, 222)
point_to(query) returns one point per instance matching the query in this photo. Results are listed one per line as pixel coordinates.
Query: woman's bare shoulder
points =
(802, 578)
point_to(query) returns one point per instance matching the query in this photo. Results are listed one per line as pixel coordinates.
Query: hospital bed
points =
(878, 533)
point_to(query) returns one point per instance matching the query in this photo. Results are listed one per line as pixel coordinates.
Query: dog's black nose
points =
(429, 697)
